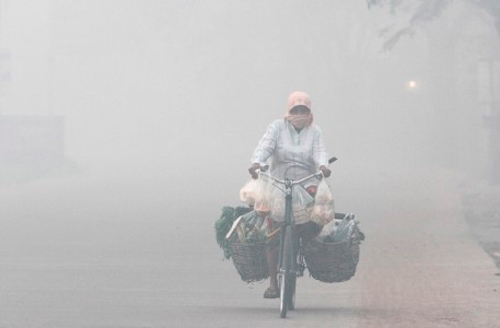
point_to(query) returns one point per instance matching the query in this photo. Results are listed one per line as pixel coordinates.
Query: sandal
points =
(272, 293)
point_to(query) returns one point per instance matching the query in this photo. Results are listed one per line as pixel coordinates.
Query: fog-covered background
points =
(181, 91)
(126, 125)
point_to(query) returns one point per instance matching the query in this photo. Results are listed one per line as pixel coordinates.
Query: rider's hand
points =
(253, 170)
(326, 171)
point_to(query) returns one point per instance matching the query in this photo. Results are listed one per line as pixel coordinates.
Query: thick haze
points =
(163, 104)
(181, 91)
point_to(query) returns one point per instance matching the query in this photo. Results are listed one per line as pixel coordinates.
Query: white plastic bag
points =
(302, 204)
(323, 211)
(278, 204)
(264, 197)
(248, 193)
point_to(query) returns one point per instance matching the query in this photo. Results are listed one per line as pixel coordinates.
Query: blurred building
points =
(31, 139)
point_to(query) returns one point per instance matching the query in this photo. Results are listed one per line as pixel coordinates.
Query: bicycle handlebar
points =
(318, 175)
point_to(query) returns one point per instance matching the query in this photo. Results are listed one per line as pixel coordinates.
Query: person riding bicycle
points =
(294, 147)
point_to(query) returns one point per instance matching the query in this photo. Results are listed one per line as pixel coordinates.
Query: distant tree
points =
(424, 11)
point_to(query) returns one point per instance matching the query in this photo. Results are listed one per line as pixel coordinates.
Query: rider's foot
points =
(272, 293)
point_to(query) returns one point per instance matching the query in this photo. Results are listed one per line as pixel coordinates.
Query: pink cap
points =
(299, 98)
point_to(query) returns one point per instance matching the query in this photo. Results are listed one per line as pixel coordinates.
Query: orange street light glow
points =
(412, 84)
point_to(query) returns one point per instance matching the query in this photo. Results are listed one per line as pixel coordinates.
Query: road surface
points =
(102, 252)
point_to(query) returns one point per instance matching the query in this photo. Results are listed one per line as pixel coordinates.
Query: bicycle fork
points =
(297, 265)
(287, 225)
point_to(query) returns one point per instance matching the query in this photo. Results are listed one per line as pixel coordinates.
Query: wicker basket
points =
(332, 262)
(250, 260)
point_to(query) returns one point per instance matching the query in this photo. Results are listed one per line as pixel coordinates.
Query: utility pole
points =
(489, 83)
(50, 57)
(2, 60)
(5, 75)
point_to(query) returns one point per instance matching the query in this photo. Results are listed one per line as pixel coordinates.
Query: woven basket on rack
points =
(250, 260)
(332, 262)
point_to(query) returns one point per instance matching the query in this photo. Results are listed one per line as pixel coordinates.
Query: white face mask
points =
(299, 124)
(299, 121)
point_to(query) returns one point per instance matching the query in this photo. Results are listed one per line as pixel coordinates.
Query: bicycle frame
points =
(288, 249)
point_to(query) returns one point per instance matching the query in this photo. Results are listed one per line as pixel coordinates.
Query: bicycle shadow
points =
(309, 310)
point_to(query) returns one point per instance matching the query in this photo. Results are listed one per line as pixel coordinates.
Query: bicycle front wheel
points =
(287, 276)
(291, 300)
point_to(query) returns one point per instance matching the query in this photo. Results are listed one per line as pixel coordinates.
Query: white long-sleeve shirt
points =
(291, 154)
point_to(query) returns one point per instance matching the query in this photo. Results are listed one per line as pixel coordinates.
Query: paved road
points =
(79, 252)
(482, 212)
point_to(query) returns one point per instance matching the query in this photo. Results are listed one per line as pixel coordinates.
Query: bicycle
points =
(290, 260)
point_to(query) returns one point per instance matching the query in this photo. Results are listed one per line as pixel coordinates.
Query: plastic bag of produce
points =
(224, 224)
(302, 204)
(278, 204)
(255, 226)
(263, 196)
(323, 211)
(342, 232)
(334, 257)
(249, 228)
(248, 193)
